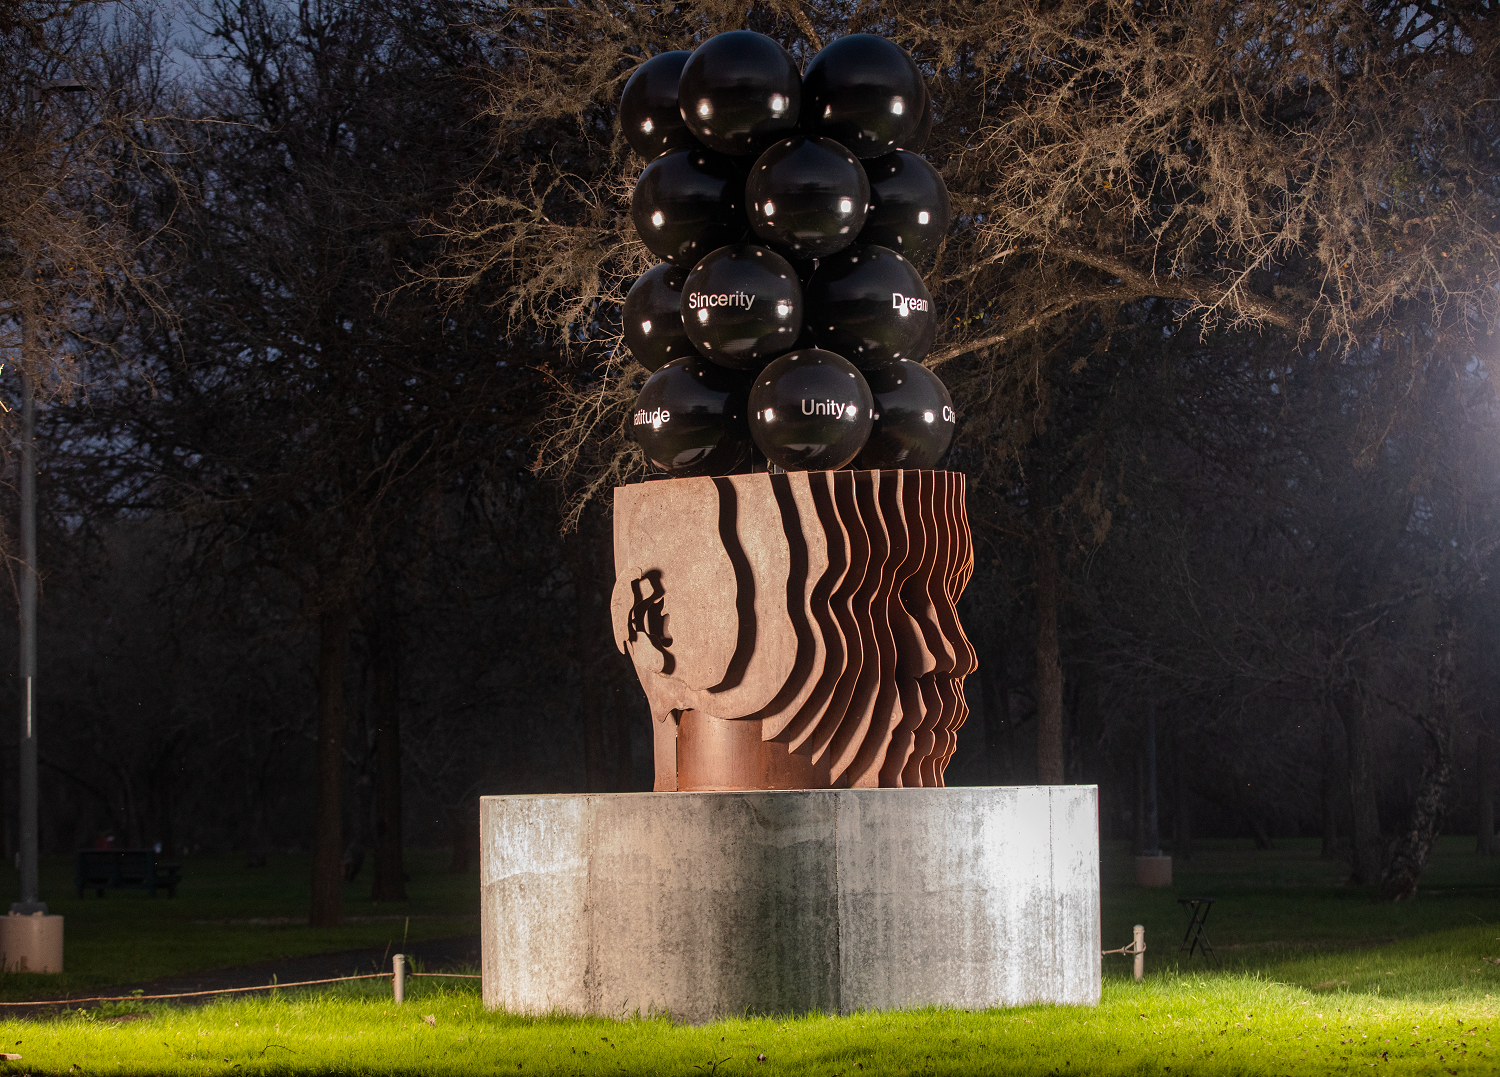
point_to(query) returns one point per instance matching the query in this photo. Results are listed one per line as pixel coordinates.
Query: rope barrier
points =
(450, 975)
(235, 990)
(1136, 949)
(217, 991)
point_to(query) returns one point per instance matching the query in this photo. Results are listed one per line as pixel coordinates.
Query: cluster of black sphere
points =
(788, 210)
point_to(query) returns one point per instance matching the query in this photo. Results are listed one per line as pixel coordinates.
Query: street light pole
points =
(30, 897)
(30, 901)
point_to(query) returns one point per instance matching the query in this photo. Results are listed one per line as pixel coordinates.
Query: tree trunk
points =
(590, 637)
(1140, 803)
(1182, 818)
(1413, 849)
(328, 853)
(1486, 844)
(627, 720)
(1332, 785)
(1365, 854)
(1153, 818)
(1261, 835)
(463, 837)
(1049, 691)
(994, 685)
(385, 704)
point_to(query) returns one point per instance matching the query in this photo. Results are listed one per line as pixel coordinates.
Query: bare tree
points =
(1323, 171)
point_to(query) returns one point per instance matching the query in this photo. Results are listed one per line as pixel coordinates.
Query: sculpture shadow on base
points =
(797, 630)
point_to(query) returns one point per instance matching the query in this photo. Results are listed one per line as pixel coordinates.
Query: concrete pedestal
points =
(31, 943)
(705, 905)
(1153, 871)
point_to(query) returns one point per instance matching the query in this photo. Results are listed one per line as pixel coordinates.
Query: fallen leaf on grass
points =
(431, 1020)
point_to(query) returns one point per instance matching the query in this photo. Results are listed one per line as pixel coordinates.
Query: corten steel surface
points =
(797, 631)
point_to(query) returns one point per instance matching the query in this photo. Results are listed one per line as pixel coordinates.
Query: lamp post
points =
(30, 901)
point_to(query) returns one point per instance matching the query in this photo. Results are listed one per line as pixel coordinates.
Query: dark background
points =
(316, 458)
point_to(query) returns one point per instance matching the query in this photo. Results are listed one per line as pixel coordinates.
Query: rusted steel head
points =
(797, 631)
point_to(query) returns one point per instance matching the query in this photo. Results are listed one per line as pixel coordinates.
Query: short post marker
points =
(1138, 947)
(398, 979)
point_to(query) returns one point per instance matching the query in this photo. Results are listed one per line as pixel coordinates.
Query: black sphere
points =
(869, 304)
(653, 318)
(687, 203)
(648, 108)
(909, 206)
(917, 140)
(807, 196)
(810, 411)
(742, 305)
(913, 418)
(739, 92)
(865, 92)
(690, 418)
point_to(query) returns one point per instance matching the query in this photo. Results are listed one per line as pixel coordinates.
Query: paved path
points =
(436, 955)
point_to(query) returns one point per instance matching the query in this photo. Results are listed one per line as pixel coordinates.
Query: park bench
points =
(124, 869)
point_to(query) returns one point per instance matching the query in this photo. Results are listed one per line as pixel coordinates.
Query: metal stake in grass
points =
(398, 979)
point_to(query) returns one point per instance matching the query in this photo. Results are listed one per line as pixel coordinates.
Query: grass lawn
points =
(226, 914)
(1316, 979)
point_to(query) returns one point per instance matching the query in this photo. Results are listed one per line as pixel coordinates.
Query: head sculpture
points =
(798, 630)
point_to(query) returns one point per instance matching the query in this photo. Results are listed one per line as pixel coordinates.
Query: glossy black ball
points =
(687, 203)
(810, 411)
(690, 418)
(742, 305)
(909, 207)
(917, 140)
(653, 318)
(869, 304)
(649, 115)
(914, 418)
(864, 91)
(808, 196)
(739, 92)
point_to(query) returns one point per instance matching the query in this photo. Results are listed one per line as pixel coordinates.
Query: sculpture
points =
(796, 630)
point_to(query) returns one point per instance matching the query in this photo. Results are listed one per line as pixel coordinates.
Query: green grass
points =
(1270, 904)
(1317, 978)
(1214, 1024)
(226, 914)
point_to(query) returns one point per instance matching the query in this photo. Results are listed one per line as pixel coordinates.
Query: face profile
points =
(799, 630)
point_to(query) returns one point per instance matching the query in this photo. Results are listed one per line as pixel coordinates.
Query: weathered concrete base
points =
(706, 905)
(31, 943)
